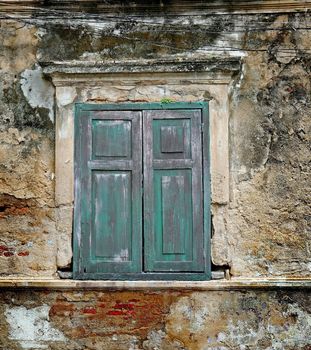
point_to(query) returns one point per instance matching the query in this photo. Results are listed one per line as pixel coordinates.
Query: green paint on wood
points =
(175, 208)
(109, 164)
(111, 138)
(112, 212)
(175, 214)
(109, 192)
(171, 139)
(173, 193)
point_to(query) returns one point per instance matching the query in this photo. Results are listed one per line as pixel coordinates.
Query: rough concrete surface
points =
(262, 229)
(155, 321)
(265, 230)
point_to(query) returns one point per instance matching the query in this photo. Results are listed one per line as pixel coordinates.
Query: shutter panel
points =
(173, 203)
(109, 173)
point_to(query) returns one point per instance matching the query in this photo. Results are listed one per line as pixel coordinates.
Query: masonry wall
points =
(263, 231)
(158, 320)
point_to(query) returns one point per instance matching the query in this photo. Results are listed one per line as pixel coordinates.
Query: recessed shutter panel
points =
(173, 203)
(111, 201)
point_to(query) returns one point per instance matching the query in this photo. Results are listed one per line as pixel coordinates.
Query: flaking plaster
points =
(38, 91)
(31, 327)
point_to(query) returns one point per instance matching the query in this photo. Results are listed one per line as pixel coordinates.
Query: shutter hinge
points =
(202, 127)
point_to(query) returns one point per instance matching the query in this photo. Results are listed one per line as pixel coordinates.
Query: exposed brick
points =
(8, 254)
(89, 310)
(62, 309)
(23, 253)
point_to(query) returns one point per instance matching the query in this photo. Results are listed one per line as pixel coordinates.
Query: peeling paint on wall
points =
(37, 90)
(146, 320)
(261, 224)
(31, 328)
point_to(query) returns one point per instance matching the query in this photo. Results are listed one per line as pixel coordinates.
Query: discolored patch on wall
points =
(156, 320)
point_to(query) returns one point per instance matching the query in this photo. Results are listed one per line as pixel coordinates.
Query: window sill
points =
(218, 285)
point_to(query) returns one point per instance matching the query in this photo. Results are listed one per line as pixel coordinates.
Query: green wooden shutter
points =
(139, 163)
(108, 192)
(173, 193)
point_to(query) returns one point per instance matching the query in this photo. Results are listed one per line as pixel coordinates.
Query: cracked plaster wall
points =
(263, 231)
(155, 320)
(266, 228)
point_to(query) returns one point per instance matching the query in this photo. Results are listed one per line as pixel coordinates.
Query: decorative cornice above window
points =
(220, 68)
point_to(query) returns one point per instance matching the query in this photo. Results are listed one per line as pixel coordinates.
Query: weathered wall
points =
(155, 321)
(264, 230)
(267, 225)
(270, 156)
(27, 214)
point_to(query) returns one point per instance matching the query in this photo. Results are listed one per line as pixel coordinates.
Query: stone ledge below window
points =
(214, 285)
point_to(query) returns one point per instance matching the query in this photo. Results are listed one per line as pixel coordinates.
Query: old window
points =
(141, 191)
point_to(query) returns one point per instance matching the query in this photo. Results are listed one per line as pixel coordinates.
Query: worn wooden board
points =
(113, 155)
(110, 162)
(173, 205)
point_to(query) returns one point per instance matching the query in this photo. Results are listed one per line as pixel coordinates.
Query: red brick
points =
(8, 254)
(24, 253)
(62, 309)
(89, 310)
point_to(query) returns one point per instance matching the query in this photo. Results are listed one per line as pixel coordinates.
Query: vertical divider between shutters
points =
(138, 200)
(142, 195)
(148, 191)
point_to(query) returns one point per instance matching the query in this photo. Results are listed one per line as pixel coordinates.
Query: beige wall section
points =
(137, 87)
(64, 152)
(219, 134)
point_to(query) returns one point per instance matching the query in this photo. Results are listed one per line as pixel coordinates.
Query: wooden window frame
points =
(78, 269)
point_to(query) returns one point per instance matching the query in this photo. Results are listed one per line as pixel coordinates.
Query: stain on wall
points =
(266, 230)
(30, 327)
(268, 225)
(156, 320)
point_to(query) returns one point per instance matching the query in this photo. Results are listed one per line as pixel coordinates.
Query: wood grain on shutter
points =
(173, 199)
(111, 205)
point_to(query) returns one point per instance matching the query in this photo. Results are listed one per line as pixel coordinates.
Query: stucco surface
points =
(155, 320)
(261, 206)
(262, 230)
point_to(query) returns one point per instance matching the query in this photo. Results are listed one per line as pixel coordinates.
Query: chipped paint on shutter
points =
(173, 203)
(118, 149)
(110, 202)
